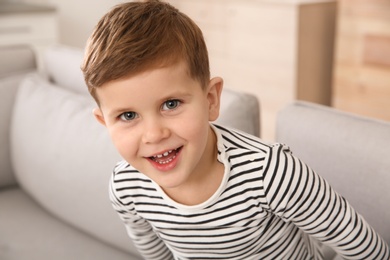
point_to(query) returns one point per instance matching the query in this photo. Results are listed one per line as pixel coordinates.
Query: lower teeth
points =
(167, 161)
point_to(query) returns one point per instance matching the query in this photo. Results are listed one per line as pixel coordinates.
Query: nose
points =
(154, 132)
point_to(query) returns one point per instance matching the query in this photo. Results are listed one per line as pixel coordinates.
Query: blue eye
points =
(128, 116)
(171, 104)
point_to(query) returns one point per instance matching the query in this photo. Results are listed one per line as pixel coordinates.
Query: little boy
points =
(188, 189)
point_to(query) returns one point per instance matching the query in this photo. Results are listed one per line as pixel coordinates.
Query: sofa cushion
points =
(29, 232)
(63, 158)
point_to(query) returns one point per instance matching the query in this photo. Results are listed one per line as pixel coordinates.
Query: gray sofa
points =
(56, 160)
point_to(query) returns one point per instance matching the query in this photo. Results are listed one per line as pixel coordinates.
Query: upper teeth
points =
(164, 154)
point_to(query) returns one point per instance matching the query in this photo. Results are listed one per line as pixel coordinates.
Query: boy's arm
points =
(140, 231)
(299, 195)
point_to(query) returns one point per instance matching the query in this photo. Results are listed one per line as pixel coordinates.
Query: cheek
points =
(124, 142)
(195, 128)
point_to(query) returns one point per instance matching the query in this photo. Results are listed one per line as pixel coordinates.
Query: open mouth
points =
(165, 157)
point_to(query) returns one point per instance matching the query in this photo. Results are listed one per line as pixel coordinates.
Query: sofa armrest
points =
(16, 60)
(15, 63)
(351, 152)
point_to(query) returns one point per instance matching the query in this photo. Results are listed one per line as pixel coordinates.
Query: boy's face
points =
(159, 122)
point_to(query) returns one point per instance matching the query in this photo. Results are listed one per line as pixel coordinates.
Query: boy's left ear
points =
(214, 97)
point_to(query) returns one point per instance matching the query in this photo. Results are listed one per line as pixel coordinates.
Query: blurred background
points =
(334, 52)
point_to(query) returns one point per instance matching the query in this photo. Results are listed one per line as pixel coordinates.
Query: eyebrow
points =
(118, 111)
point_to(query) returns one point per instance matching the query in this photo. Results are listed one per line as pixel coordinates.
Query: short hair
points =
(137, 36)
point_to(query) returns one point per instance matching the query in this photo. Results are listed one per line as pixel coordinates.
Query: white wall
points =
(77, 18)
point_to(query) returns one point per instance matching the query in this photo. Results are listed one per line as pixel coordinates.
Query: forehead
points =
(152, 83)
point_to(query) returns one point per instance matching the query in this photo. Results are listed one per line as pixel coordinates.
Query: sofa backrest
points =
(351, 152)
(15, 63)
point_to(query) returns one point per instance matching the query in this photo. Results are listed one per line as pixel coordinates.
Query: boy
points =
(188, 189)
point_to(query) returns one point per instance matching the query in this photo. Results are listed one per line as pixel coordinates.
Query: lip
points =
(168, 165)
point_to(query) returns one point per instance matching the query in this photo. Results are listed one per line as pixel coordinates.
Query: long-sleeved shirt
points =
(269, 205)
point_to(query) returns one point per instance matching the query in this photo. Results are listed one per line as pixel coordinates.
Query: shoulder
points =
(121, 165)
(127, 179)
(236, 139)
(124, 170)
(238, 144)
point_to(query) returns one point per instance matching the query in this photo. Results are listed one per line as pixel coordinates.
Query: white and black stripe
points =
(269, 206)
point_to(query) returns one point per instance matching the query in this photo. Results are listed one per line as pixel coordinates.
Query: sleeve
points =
(299, 195)
(139, 230)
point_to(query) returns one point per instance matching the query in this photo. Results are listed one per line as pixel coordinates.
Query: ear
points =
(214, 96)
(97, 112)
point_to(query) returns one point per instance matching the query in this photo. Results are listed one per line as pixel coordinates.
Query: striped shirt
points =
(270, 205)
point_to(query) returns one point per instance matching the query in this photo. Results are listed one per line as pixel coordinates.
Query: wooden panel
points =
(376, 50)
(315, 52)
(254, 46)
(361, 82)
